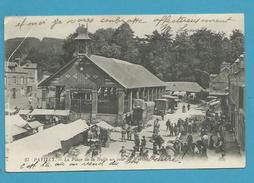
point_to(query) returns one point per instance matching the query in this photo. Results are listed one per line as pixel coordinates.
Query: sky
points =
(62, 26)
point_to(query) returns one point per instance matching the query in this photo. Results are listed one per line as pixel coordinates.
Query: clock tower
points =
(82, 41)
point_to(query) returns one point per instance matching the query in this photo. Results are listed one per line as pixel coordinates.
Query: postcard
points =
(124, 92)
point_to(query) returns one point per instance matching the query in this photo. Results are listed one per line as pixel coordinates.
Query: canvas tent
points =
(48, 140)
(36, 126)
(15, 120)
(105, 125)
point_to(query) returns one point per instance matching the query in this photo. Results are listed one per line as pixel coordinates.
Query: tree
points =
(183, 50)
(69, 47)
(237, 45)
(124, 37)
(208, 49)
(181, 58)
(47, 61)
(157, 53)
(102, 43)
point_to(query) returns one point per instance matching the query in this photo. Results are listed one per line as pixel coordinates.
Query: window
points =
(28, 89)
(14, 93)
(30, 80)
(22, 80)
(22, 91)
(14, 79)
(43, 94)
(241, 97)
(88, 96)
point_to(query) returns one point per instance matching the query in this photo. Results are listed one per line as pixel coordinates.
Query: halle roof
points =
(184, 86)
(126, 74)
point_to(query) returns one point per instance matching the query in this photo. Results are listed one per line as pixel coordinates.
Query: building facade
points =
(20, 83)
(97, 87)
(219, 82)
(237, 100)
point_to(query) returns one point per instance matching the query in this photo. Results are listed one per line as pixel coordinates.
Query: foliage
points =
(182, 57)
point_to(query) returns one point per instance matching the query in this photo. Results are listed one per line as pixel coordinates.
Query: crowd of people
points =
(127, 132)
(96, 139)
(181, 127)
(209, 136)
(191, 139)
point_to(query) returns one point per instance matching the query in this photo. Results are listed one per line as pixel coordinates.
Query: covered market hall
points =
(97, 87)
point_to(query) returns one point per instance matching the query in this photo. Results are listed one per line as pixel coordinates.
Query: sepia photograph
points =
(124, 92)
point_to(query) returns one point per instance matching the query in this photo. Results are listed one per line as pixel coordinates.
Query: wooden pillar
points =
(156, 93)
(143, 93)
(148, 94)
(130, 101)
(57, 95)
(67, 99)
(108, 91)
(137, 94)
(44, 93)
(102, 92)
(94, 103)
(163, 91)
(121, 95)
(152, 96)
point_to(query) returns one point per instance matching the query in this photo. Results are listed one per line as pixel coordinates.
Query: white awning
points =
(35, 124)
(212, 97)
(47, 140)
(36, 145)
(15, 120)
(71, 129)
(169, 96)
(62, 112)
(218, 93)
(179, 93)
(42, 112)
(50, 112)
(105, 125)
(16, 130)
(24, 112)
(10, 111)
(214, 103)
